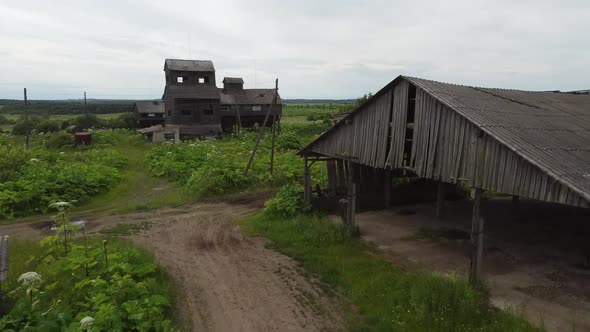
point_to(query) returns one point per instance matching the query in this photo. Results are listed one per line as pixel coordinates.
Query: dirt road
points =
(225, 280)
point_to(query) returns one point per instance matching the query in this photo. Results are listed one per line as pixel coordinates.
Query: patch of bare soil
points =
(225, 280)
(529, 263)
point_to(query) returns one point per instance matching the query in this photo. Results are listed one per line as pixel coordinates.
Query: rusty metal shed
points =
(526, 144)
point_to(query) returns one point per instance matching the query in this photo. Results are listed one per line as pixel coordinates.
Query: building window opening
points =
(181, 79)
(203, 80)
(186, 112)
(257, 108)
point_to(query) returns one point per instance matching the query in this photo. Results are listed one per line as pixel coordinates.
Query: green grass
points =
(138, 191)
(387, 298)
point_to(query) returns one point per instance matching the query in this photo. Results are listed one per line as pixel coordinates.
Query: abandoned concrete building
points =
(193, 102)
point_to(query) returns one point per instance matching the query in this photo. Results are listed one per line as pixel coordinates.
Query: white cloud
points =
(318, 49)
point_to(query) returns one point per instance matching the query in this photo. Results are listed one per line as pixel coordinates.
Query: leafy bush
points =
(88, 121)
(96, 286)
(48, 126)
(289, 142)
(216, 167)
(59, 140)
(23, 127)
(288, 202)
(32, 179)
(5, 121)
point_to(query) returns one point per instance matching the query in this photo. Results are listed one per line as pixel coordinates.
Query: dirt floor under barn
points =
(533, 259)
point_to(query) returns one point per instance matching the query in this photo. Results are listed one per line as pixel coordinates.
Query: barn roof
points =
(249, 97)
(549, 130)
(233, 80)
(189, 65)
(150, 106)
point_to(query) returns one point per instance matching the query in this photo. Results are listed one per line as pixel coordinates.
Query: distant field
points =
(66, 116)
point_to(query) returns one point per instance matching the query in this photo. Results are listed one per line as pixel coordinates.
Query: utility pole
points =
(85, 104)
(27, 129)
(261, 132)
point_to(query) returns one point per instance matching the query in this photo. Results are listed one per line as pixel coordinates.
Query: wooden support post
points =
(307, 182)
(440, 200)
(476, 239)
(332, 180)
(387, 189)
(351, 196)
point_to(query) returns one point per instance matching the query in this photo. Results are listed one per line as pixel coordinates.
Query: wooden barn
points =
(193, 102)
(534, 145)
(149, 113)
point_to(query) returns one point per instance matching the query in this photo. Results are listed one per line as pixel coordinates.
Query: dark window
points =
(169, 113)
(186, 112)
(208, 112)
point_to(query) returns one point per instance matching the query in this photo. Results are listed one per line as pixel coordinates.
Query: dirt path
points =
(225, 280)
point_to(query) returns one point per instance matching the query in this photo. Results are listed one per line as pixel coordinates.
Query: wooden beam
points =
(476, 239)
(440, 200)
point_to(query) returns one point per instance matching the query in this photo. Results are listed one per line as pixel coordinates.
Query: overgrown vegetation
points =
(54, 170)
(215, 168)
(95, 286)
(388, 299)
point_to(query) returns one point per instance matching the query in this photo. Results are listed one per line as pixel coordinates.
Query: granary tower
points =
(191, 97)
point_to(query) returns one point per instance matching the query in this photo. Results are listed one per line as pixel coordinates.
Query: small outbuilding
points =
(149, 113)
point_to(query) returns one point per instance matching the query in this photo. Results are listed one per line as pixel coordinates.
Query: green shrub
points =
(122, 291)
(23, 127)
(288, 202)
(6, 121)
(47, 126)
(289, 142)
(32, 179)
(59, 140)
(218, 178)
(88, 121)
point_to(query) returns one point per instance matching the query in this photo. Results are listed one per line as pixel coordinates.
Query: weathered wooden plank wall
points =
(364, 140)
(445, 147)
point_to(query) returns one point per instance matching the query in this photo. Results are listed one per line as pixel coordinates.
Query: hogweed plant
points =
(62, 220)
(30, 281)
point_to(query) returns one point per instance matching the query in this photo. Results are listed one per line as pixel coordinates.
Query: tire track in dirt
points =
(224, 279)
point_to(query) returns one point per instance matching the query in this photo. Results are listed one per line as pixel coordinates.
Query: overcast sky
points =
(317, 49)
